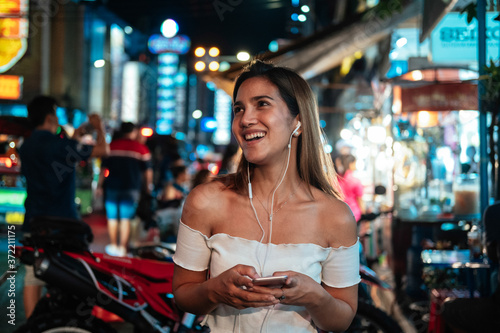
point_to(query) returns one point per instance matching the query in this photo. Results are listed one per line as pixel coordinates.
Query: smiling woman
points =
(225, 241)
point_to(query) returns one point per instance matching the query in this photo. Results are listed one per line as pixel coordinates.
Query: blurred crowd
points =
(167, 175)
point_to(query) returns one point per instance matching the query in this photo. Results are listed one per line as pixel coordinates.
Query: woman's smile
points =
(254, 136)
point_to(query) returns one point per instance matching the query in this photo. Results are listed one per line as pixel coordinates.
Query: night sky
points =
(232, 25)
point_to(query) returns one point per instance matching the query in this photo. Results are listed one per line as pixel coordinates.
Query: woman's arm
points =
(101, 147)
(335, 308)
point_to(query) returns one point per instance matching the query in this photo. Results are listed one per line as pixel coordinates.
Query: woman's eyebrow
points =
(261, 96)
(255, 98)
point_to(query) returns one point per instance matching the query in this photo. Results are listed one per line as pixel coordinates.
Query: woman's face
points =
(262, 121)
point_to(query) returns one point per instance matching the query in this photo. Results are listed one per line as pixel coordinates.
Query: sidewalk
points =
(98, 224)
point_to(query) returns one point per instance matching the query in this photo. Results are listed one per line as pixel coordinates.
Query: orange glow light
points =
(214, 169)
(13, 27)
(147, 132)
(10, 87)
(6, 161)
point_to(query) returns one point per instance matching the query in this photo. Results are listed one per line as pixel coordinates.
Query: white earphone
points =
(250, 196)
(295, 131)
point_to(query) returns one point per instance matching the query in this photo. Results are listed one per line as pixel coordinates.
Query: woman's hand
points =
(326, 305)
(234, 287)
(297, 289)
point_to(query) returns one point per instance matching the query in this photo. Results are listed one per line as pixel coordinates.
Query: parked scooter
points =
(82, 286)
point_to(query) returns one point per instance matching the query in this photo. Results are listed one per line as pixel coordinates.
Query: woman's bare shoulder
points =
(337, 220)
(205, 196)
(202, 205)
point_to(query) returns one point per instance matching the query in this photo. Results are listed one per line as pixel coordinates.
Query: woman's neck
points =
(265, 180)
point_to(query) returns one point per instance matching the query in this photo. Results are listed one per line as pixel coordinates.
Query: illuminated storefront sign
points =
(131, 91)
(440, 97)
(222, 135)
(11, 87)
(14, 7)
(13, 32)
(13, 27)
(168, 65)
(455, 41)
(179, 44)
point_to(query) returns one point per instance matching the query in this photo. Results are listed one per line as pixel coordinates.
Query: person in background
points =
(351, 186)
(127, 168)
(144, 228)
(171, 202)
(279, 214)
(177, 189)
(48, 162)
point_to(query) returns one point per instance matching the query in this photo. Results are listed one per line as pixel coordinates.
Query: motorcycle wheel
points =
(373, 320)
(64, 323)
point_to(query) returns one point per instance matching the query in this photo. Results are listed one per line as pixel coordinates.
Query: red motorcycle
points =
(84, 287)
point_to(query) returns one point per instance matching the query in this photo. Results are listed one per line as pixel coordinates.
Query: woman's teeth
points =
(252, 136)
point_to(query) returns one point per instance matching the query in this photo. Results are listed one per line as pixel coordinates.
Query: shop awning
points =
(434, 11)
(325, 50)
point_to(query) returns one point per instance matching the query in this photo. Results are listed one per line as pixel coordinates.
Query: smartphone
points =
(270, 281)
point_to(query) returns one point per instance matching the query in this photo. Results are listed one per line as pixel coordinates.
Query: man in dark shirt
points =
(48, 162)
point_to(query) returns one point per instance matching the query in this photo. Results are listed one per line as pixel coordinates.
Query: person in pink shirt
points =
(351, 186)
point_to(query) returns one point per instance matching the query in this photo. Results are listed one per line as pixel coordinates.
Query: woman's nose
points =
(248, 118)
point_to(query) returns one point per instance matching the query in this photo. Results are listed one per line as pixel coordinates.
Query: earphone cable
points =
(250, 196)
(272, 201)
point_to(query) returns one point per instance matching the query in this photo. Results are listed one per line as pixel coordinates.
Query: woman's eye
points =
(236, 109)
(263, 103)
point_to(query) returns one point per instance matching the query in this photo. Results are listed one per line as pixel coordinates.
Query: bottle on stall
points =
(474, 240)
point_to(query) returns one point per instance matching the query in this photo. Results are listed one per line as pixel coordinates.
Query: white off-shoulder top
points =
(336, 267)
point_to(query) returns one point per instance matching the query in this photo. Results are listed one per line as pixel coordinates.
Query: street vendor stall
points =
(436, 166)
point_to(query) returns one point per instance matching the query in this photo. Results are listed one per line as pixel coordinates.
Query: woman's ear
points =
(296, 131)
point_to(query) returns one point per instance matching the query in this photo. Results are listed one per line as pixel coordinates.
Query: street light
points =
(212, 59)
(169, 28)
(199, 52)
(213, 52)
(200, 66)
(243, 56)
(197, 114)
(213, 66)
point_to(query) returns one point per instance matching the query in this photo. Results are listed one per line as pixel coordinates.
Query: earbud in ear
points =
(295, 131)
